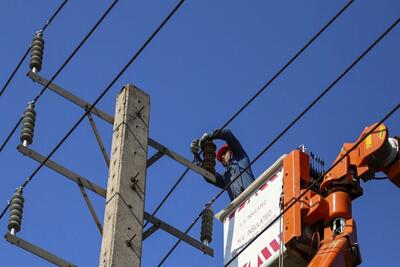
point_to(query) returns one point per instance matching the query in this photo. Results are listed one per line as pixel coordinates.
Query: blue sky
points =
(202, 67)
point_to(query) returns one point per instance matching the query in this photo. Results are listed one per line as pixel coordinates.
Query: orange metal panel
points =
(296, 168)
(318, 209)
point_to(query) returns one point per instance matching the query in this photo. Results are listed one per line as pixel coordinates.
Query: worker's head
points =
(224, 154)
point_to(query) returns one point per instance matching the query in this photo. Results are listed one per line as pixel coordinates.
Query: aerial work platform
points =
(248, 215)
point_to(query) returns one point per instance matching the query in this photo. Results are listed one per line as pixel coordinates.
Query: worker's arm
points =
(232, 142)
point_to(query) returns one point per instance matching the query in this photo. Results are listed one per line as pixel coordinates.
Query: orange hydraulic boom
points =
(319, 227)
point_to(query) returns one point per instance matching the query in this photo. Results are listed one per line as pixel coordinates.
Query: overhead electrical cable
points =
(284, 67)
(103, 93)
(48, 22)
(357, 60)
(60, 69)
(168, 194)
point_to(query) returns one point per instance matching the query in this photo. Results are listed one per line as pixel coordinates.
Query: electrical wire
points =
(311, 104)
(177, 242)
(168, 194)
(299, 52)
(287, 64)
(48, 22)
(298, 117)
(390, 113)
(133, 58)
(60, 69)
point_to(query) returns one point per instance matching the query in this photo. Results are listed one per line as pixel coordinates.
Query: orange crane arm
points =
(371, 153)
(319, 227)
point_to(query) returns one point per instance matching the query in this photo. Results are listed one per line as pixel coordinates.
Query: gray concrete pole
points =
(123, 218)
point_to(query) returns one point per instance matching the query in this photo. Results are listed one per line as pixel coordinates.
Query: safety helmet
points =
(221, 151)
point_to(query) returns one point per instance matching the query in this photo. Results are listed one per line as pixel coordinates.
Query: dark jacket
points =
(239, 162)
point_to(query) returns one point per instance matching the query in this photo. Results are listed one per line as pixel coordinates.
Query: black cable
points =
(54, 15)
(311, 105)
(61, 68)
(179, 240)
(29, 48)
(99, 97)
(56, 74)
(288, 63)
(15, 70)
(304, 112)
(9, 136)
(316, 181)
(168, 194)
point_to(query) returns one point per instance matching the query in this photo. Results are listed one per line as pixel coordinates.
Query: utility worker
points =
(233, 157)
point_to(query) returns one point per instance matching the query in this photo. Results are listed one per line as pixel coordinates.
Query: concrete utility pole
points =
(123, 218)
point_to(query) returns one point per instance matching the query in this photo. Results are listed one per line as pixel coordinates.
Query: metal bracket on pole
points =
(83, 104)
(37, 251)
(62, 170)
(180, 235)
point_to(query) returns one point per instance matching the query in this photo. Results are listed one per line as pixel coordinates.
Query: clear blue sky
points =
(208, 60)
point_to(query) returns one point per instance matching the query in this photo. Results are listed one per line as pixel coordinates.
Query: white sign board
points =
(248, 219)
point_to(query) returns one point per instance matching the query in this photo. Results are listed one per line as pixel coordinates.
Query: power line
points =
(168, 194)
(177, 242)
(287, 64)
(48, 22)
(299, 117)
(133, 58)
(54, 15)
(273, 78)
(312, 104)
(391, 112)
(60, 69)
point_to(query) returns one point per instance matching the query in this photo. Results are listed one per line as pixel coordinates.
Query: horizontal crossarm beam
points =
(178, 234)
(63, 171)
(206, 174)
(71, 97)
(19, 242)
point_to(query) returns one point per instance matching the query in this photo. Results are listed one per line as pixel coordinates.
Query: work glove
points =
(195, 146)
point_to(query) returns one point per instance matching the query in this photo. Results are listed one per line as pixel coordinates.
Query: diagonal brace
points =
(19, 242)
(149, 231)
(98, 138)
(154, 158)
(91, 209)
